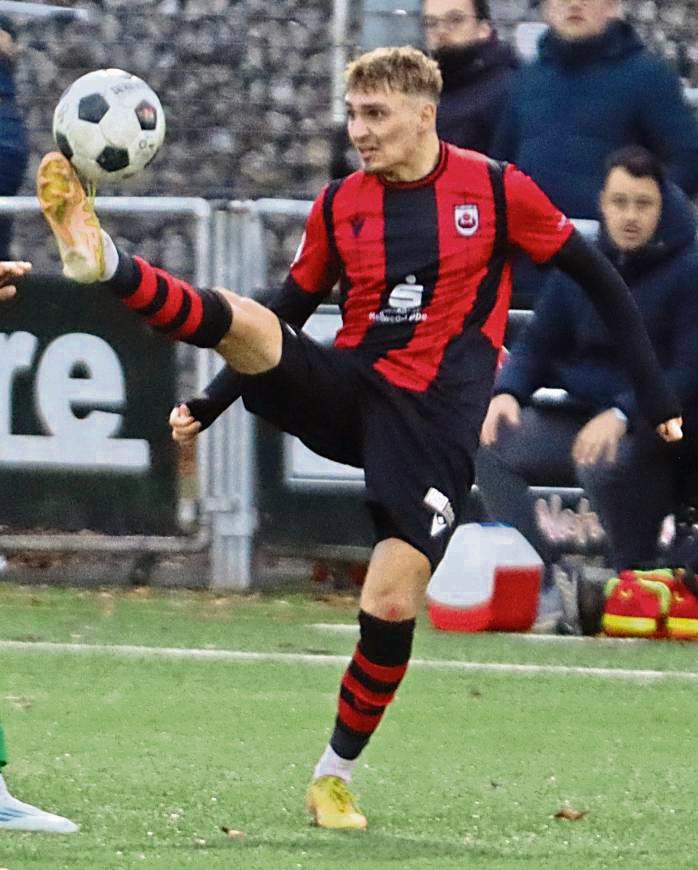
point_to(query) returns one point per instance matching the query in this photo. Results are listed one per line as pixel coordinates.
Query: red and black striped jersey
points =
(423, 268)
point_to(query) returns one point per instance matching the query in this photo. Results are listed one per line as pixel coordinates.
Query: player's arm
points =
(585, 264)
(10, 272)
(679, 350)
(547, 236)
(312, 275)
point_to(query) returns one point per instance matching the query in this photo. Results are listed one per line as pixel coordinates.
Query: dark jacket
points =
(578, 102)
(566, 344)
(476, 85)
(14, 149)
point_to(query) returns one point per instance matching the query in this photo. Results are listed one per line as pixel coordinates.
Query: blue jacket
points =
(566, 344)
(476, 86)
(14, 148)
(578, 102)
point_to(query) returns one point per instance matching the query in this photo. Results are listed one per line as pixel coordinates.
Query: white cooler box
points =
(489, 579)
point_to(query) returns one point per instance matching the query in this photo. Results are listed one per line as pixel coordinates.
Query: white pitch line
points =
(229, 655)
(353, 628)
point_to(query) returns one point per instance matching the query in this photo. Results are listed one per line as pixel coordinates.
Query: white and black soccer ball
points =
(109, 124)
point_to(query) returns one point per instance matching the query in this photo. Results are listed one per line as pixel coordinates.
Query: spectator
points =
(596, 438)
(14, 149)
(476, 66)
(594, 88)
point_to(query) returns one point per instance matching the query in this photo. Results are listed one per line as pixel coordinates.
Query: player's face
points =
(452, 23)
(631, 209)
(573, 20)
(389, 130)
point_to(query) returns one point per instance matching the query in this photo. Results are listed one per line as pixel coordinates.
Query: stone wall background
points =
(246, 87)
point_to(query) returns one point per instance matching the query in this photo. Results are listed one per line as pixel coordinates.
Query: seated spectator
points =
(14, 149)
(476, 66)
(594, 88)
(595, 438)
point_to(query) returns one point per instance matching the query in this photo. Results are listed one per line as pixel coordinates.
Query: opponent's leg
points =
(18, 816)
(392, 594)
(244, 332)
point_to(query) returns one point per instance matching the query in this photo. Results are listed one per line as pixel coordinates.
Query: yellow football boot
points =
(332, 806)
(70, 213)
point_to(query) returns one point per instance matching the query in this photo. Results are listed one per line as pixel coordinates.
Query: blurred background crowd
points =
(247, 88)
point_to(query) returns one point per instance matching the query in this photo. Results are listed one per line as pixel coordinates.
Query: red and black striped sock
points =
(369, 684)
(171, 306)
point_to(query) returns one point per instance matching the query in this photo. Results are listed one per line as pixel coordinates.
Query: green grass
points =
(153, 756)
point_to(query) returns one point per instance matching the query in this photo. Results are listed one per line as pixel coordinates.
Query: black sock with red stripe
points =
(371, 680)
(171, 306)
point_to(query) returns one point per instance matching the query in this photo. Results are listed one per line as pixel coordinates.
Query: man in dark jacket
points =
(593, 89)
(14, 150)
(596, 438)
(476, 67)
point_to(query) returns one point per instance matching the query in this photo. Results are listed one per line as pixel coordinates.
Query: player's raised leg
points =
(245, 333)
(391, 596)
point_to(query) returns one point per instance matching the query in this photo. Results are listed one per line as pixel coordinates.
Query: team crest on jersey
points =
(467, 219)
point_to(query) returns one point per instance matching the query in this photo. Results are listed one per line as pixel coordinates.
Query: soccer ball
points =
(109, 124)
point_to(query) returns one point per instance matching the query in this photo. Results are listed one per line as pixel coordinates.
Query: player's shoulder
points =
(348, 185)
(466, 156)
(466, 161)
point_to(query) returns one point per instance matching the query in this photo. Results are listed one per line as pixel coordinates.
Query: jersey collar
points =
(427, 179)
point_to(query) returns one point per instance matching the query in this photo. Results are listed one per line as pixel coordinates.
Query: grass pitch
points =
(152, 755)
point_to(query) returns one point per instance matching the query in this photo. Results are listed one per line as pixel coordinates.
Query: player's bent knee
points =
(254, 341)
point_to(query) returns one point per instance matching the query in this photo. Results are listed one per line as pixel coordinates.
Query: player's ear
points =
(427, 114)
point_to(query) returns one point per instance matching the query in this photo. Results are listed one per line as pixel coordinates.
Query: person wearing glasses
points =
(595, 87)
(476, 66)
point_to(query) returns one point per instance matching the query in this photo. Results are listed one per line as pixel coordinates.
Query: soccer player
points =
(16, 815)
(419, 240)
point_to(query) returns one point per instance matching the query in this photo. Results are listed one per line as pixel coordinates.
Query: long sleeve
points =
(679, 351)
(586, 265)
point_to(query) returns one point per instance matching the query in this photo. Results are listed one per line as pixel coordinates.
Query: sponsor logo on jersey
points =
(467, 218)
(404, 303)
(407, 295)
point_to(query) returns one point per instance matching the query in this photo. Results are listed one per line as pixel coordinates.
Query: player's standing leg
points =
(391, 597)
(18, 816)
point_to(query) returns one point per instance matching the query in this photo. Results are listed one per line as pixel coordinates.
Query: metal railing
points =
(229, 250)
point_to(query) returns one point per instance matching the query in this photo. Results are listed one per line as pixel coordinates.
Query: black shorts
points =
(417, 479)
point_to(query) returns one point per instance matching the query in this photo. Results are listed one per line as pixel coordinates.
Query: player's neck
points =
(425, 161)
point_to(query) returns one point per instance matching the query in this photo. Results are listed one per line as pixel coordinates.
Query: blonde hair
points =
(406, 70)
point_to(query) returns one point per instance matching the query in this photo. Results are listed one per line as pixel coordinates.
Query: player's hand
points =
(503, 409)
(670, 430)
(185, 428)
(10, 272)
(599, 439)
